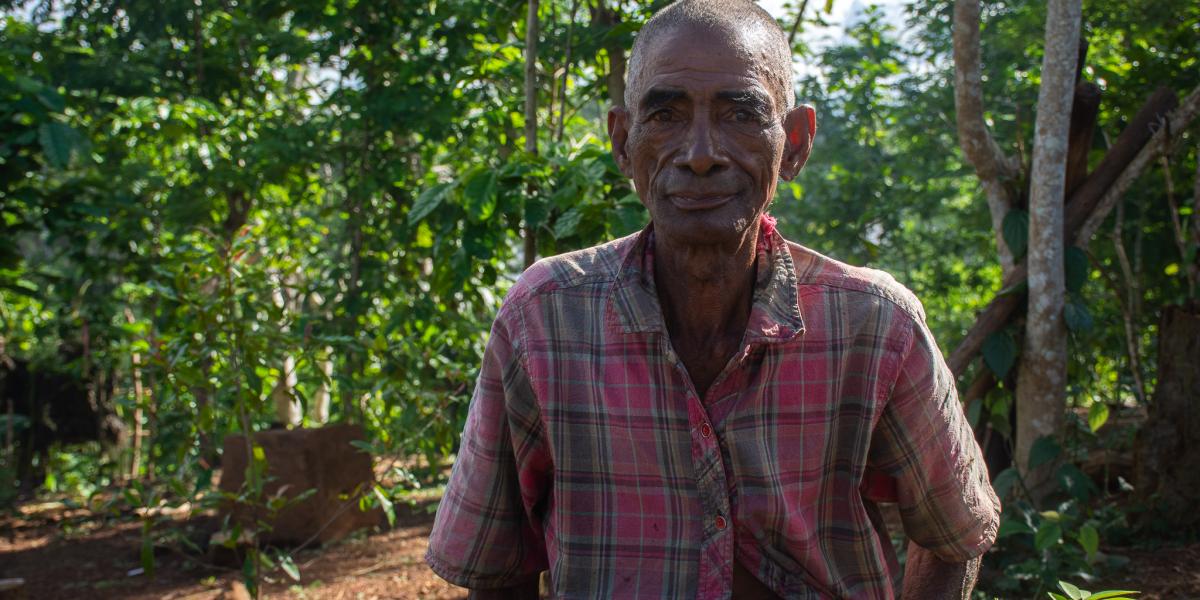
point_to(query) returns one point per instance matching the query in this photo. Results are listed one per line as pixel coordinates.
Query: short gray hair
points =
(734, 16)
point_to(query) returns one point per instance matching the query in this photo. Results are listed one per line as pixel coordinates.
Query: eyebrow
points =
(749, 98)
(657, 97)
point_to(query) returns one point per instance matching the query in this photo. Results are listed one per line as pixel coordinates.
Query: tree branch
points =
(993, 167)
(796, 24)
(977, 143)
(1088, 199)
(1163, 138)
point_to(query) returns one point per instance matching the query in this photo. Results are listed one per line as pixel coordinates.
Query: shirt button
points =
(720, 523)
(706, 431)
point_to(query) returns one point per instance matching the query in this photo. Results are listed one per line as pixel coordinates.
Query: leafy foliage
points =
(201, 192)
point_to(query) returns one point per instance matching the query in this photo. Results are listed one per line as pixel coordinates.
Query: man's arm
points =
(488, 531)
(948, 507)
(927, 577)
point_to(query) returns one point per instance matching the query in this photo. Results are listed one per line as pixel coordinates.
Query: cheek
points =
(644, 152)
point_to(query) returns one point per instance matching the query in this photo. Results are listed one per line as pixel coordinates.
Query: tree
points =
(1042, 378)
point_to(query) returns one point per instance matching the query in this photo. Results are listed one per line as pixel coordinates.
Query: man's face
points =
(706, 139)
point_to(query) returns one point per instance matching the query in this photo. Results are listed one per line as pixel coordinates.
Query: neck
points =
(705, 291)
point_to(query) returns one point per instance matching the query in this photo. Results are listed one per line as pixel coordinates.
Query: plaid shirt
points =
(587, 451)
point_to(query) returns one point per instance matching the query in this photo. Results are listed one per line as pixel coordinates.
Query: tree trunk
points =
(1168, 445)
(531, 41)
(606, 19)
(995, 170)
(287, 407)
(1194, 266)
(566, 74)
(318, 412)
(1042, 375)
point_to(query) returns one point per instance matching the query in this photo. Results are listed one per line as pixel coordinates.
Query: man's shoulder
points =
(815, 270)
(585, 270)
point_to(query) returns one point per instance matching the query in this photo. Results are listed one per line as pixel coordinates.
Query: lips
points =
(699, 201)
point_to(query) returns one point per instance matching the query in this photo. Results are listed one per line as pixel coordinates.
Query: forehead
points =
(703, 60)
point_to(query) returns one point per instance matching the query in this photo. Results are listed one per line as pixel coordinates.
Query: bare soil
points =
(63, 553)
(73, 554)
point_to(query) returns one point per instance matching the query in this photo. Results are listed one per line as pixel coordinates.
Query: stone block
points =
(298, 460)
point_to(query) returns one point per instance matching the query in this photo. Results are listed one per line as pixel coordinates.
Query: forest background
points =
(225, 215)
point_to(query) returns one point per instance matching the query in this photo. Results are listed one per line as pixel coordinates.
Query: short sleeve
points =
(488, 531)
(923, 442)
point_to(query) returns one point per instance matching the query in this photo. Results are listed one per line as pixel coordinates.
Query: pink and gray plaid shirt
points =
(587, 451)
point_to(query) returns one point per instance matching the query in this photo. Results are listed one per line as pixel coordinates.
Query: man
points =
(705, 410)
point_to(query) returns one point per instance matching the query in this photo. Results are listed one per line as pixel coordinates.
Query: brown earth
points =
(71, 554)
(63, 553)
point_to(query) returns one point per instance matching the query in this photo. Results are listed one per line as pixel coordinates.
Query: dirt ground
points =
(63, 553)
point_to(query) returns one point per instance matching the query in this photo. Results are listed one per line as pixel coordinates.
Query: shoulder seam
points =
(873, 290)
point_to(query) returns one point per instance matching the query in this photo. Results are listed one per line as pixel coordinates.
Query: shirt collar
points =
(774, 314)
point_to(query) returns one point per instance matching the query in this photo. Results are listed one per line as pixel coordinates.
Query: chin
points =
(712, 229)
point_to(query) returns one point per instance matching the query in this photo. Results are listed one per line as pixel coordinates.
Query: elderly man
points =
(704, 409)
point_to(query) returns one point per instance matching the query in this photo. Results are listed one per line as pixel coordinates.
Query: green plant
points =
(1074, 593)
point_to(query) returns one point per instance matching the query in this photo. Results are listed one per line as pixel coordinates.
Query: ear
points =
(800, 127)
(618, 132)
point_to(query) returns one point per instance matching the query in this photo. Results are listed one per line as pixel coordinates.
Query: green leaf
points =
(973, 411)
(1076, 482)
(147, 551)
(289, 566)
(59, 142)
(1072, 591)
(1020, 287)
(1012, 526)
(1005, 481)
(999, 353)
(1112, 595)
(1089, 539)
(51, 99)
(1016, 232)
(1049, 534)
(249, 572)
(479, 191)
(1097, 416)
(1076, 268)
(566, 224)
(429, 200)
(1044, 450)
(386, 503)
(1077, 316)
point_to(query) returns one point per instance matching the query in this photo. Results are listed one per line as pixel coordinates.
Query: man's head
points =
(761, 35)
(709, 125)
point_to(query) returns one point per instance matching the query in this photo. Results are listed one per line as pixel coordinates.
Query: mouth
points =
(693, 202)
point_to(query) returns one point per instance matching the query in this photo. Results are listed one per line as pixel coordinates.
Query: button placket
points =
(711, 483)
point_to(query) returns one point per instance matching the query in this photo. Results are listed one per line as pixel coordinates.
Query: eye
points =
(661, 116)
(743, 115)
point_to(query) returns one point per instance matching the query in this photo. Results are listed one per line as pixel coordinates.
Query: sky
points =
(841, 12)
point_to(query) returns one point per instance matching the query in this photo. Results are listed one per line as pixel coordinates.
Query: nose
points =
(701, 153)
